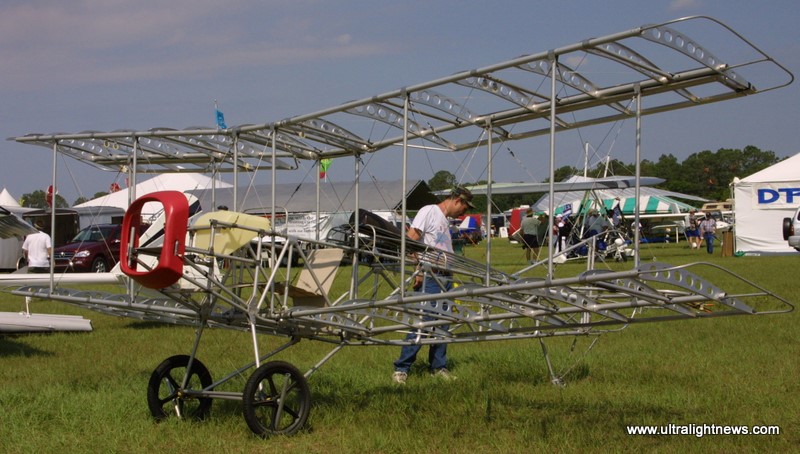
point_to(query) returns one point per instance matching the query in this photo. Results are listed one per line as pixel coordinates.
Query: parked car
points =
(791, 230)
(93, 249)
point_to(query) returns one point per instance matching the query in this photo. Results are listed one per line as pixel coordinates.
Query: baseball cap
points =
(464, 194)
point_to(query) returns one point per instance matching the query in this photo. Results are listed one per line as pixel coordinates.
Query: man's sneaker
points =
(399, 377)
(444, 374)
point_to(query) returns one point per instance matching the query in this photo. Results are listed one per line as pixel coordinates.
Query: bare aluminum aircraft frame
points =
(532, 95)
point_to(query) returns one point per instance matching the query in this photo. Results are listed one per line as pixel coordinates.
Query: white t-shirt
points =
(435, 227)
(37, 245)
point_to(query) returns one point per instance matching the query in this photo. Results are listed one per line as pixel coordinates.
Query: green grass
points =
(87, 392)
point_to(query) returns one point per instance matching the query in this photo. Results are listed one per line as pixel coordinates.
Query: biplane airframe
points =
(219, 268)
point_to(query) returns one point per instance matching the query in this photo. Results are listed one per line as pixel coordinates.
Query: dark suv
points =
(94, 249)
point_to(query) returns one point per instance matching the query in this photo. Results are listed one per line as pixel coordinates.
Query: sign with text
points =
(776, 195)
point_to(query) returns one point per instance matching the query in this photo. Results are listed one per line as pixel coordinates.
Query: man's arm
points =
(414, 234)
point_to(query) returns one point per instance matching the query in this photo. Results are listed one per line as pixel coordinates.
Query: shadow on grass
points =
(534, 407)
(147, 325)
(10, 347)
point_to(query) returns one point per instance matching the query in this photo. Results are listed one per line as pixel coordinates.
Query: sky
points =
(76, 65)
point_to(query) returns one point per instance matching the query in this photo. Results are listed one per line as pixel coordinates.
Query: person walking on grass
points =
(530, 238)
(37, 248)
(708, 227)
(432, 227)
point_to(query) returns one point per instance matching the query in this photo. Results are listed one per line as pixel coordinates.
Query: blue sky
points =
(70, 66)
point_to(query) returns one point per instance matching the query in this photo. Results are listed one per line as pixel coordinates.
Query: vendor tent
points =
(7, 200)
(12, 230)
(468, 224)
(762, 200)
(651, 200)
(651, 204)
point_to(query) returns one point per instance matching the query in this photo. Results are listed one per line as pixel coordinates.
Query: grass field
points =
(87, 392)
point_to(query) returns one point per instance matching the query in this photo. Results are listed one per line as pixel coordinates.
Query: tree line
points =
(38, 199)
(705, 174)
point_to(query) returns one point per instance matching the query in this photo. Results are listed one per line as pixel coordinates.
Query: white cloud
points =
(683, 5)
(344, 39)
(101, 41)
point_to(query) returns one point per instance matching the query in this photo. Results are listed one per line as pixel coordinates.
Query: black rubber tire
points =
(99, 265)
(787, 228)
(165, 395)
(264, 411)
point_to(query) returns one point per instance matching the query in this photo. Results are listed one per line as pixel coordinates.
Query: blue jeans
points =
(437, 353)
(709, 237)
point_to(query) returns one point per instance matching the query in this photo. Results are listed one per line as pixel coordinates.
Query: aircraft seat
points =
(226, 240)
(322, 264)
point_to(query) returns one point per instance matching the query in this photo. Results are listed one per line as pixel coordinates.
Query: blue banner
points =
(221, 120)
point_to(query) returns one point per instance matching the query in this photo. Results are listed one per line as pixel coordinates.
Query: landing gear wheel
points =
(165, 395)
(276, 400)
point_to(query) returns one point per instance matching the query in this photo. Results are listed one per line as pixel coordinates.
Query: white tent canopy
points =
(176, 182)
(762, 200)
(7, 200)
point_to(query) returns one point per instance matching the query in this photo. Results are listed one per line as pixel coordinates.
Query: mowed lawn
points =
(86, 392)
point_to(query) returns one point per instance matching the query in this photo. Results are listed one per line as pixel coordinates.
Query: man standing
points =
(37, 248)
(708, 228)
(530, 236)
(692, 233)
(432, 227)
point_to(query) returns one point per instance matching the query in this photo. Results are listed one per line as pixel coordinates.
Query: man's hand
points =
(417, 282)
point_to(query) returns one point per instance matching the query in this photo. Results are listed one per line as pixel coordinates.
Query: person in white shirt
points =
(37, 248)
(432, 227)
(708, 227)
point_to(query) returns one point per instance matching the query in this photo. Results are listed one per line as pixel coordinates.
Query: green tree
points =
(442, 180)
(562, 173)
(668, 168)
(38, 199)
(613, 167)
(708, 174)
(82, 199)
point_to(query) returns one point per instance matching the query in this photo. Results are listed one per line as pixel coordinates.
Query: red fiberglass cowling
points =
(169, 268)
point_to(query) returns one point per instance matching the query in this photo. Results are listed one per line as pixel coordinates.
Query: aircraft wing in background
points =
(12, 225)
(588, 185)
